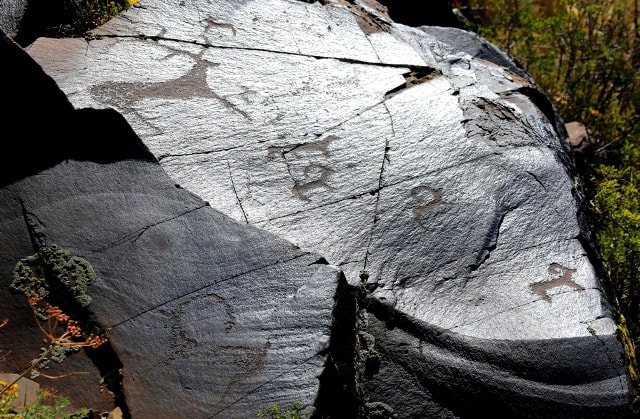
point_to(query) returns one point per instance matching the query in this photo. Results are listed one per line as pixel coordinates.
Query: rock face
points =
(206, 317)
(421, 161)
(11, 13)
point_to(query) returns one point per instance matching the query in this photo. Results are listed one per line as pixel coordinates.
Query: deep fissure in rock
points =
(338, 394)
(414, 77)
(411, 13)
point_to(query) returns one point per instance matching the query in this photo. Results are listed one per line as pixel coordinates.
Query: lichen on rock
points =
(52, 267)
(379, 410)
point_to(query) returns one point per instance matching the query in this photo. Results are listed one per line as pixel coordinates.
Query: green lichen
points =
(378, 410)
(369, 357)
(51, 268)
(56, 354)
(296, 410)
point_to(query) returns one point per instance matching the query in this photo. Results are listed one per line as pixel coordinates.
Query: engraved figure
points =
(418, 195)
(213, 342)
(300, 190)
(563, 276)
(314, 174)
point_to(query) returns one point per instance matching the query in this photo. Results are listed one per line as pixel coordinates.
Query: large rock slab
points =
(421, 161)
(205, 317)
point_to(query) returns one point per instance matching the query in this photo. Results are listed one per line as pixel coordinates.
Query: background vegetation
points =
(84, 15)
(585, 55)
(66, 18)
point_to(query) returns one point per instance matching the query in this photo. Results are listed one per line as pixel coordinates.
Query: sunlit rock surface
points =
(205, 316)
(421, 161)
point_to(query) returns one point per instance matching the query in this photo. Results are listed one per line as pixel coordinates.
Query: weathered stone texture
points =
(205, 316)
(422, 160)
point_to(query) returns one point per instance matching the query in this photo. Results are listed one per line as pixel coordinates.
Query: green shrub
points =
(93, 13)
(47, 406)
(70, 18)
(58, 408)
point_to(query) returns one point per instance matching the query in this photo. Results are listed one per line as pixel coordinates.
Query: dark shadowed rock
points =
(408, 12)
(205, 317)
(58, 17)
(423, 162)
(460, 40)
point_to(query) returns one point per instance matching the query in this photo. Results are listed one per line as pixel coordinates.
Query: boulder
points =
(204, 316)
(423, 162)
(579, 136)
(11, 14)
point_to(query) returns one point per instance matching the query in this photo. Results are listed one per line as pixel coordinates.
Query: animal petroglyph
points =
(300, 190)
(191, 85)
(562, 276)
(213, 24)
(212, 340)
(186, 337)
(314, 174)
(425, 201)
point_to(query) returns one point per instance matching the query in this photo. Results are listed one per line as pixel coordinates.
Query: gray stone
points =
(428, 165)
(11, 14)
(459, 40)
(205, 316)
(579, 137)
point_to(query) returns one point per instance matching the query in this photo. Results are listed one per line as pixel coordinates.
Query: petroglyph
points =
(186, 337)
(193, 84)
(124, 94)
(425, 202)
(247, 361)
(563, 276)
(213, 24)
(210, 339)
(300, 190)
(314, 174)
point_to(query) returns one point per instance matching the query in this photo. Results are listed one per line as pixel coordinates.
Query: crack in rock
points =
(415, 76)
(491, 242)
(385, 160)
(368, 21)
(203, 287)
(235, 192)
(135, 235)
(35, 227)
(347, 60)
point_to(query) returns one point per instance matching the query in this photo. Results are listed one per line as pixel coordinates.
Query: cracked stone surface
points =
(206, 317)
(423, 156)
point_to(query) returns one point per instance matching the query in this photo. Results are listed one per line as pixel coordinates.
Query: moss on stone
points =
(627, 341)
(52, 267)
(379, 410)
